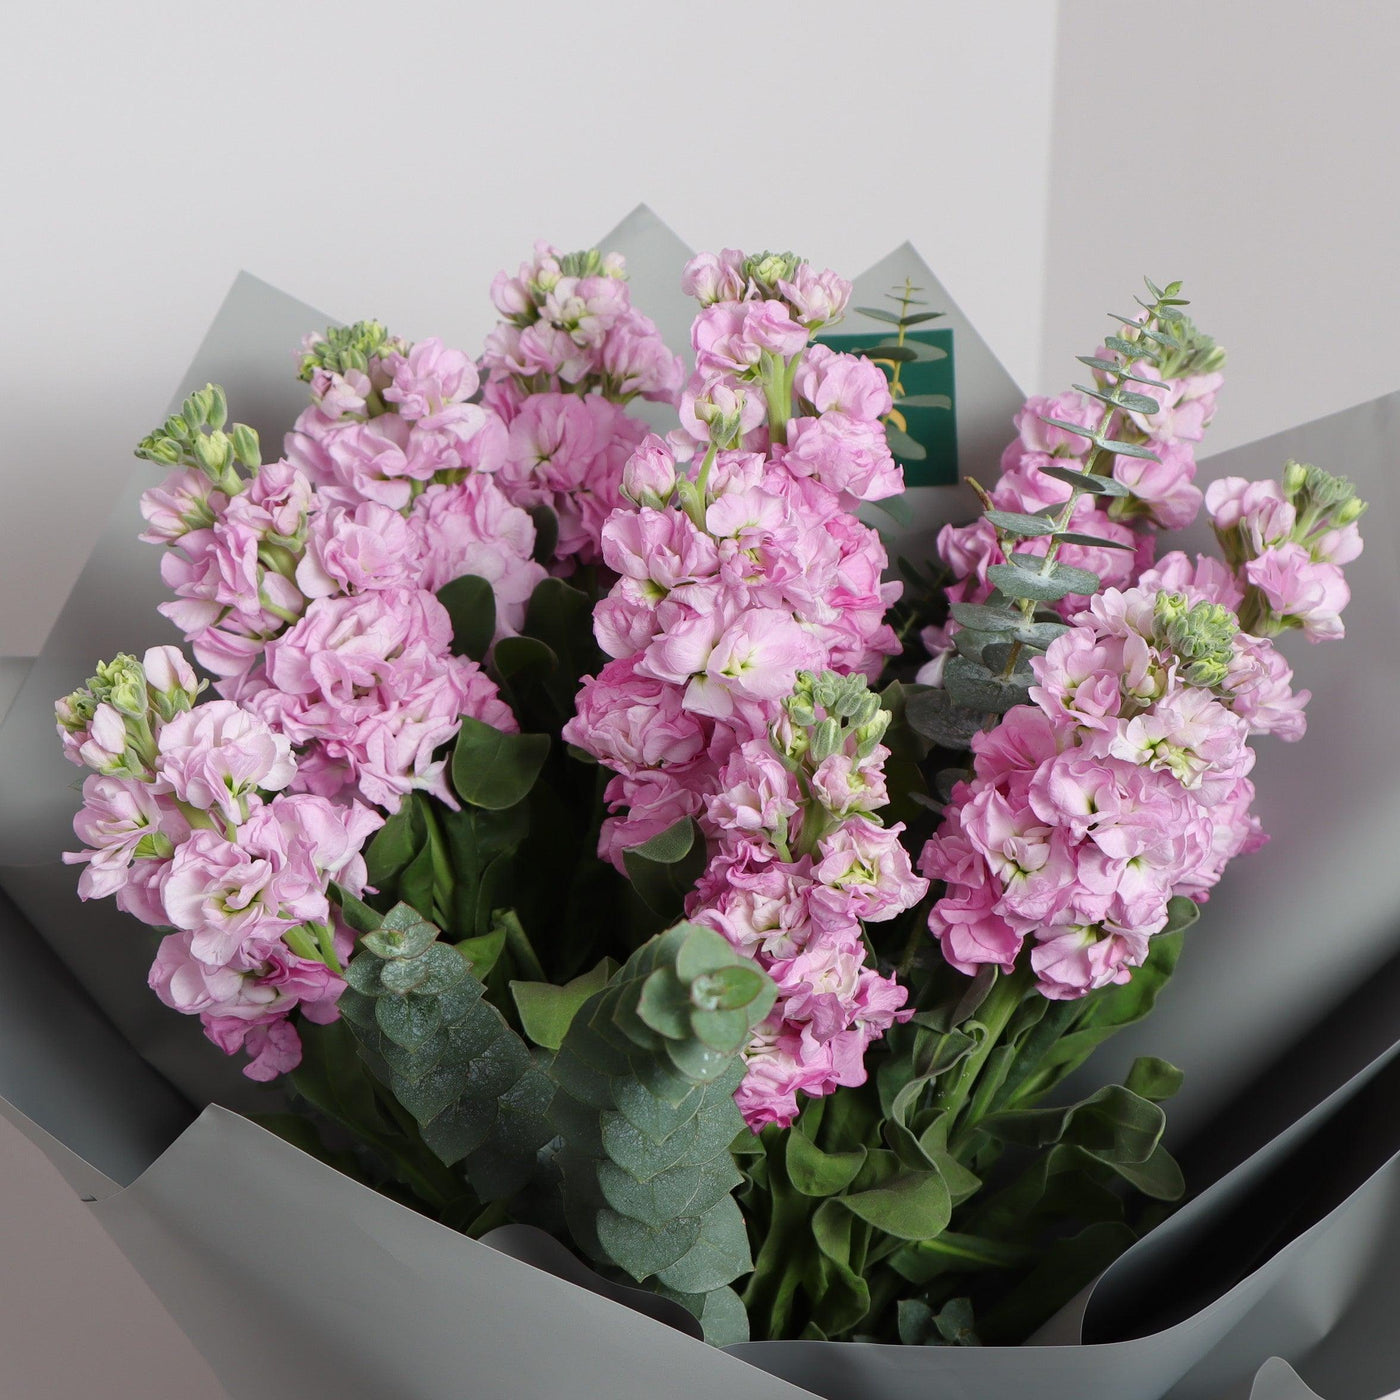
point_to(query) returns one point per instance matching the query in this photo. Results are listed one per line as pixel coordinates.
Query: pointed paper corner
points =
(655, 255)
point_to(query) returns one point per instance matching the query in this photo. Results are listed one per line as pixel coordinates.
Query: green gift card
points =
(927, 446)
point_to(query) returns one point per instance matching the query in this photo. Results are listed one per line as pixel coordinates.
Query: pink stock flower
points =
(710, 277)
(817, 298)
(1300, 590)
(117, 816)
(848, 384)
(472, 528)
(355, 550)
(216, 756)
(431, 384)
(186, 500)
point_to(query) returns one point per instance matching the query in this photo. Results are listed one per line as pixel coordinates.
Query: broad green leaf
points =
(1026, 577)
(974, 687)
(924, 401)
(664, 869)
(395, 844)
(546, 533)
(912, 1206)
(471, 604)
(817, 1173)
(495, 770)
(934, 715)
(1153, 1078)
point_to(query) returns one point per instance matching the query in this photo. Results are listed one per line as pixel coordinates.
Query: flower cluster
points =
(736, 575)
(801, 860)
(1122, 785)
(1288, 541)
(735, 578)
(187, 820)
(571, 352)
(307, 585)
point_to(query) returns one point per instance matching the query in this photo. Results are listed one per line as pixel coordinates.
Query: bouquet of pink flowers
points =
(586, 830)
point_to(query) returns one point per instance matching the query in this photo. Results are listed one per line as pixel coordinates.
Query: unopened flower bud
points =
(766, 270)
(121, 683)
(246, 447)
(826, 738)
(649, 478)
(1350, 511)
(170, 679)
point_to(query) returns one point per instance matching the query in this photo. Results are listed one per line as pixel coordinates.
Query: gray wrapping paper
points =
(292, 1278)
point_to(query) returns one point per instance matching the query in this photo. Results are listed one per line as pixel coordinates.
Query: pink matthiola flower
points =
(761, 909)
(709, 391)
(757, 657)
(186, 500)
(226, 897)
(355, 550)
(818, 298)
(1260, 690)
(472, 528)
(216, 756)
(275, 502)
(819, 986)
(431, 384)
(1166, 487)
(1039, 436)
(757, 796)
(1030, 860)
(649, 478)
(711, 277)
(633, 722)
(117, 815)
(848, 384)
(1080, 960)
(1234, 501)
(1187, 405)
(866, 872)
(636, 361)
(1206, 581)
(970, 932)
(845, 454)
(1188, 734)
(1299, 590)
(663, 547)
(845, 786)
(370, 462)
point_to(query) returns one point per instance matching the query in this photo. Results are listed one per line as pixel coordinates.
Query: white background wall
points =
(379, 160)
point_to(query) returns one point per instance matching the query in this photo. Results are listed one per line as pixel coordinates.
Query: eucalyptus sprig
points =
(990, 671)
(893, 354)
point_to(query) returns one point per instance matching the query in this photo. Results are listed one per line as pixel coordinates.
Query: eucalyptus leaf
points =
(1090, 482)
(1017, 523)
(903, 446)
(924, 401)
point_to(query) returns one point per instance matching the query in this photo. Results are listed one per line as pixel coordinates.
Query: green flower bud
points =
(246, 447)
(121, 683)
(159, 448)
(1202, 638)
(766, 270)
(586, 263)
(826, 739)
(1350, 511)
(1295, 476)
(214, 451)
(74, 712)
(177, 428)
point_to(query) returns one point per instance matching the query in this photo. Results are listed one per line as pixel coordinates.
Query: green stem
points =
(994, 1014)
